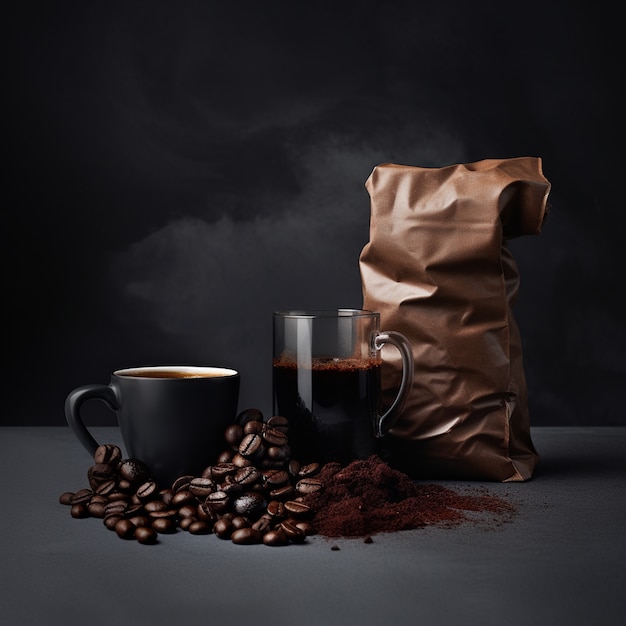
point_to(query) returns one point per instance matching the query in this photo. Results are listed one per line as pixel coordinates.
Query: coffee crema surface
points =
(172, 372)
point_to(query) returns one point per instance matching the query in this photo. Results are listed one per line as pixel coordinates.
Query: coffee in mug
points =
(327, 382)
(171, 417)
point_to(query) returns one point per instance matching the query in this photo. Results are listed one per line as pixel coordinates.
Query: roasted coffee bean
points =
(253, 428)
(164, 514)
(155, 505)
(241, 461)
(278, 422)
(275, 508)
(250, 445)
(307, 471)
(293, 467)
(207, 513)
(181, 498)
(163, 525)
(134, 471)
(239, 521)
(125, 485)
(274, 437)
(233, 435)
(249, 504)
(283, 493)
(106, 488)
(199, 527)
(307, 486)
(299, 509)
(116, 494)
(146, 535)
(186, 522)
(189, 510)
(249, 415)
(292, 531)
(139, 520)
(218, 500)
(223, 528)
(231, 489)
(247, 475)
(246, 536)
(134, 509)
(125, 529)
(66, 498)
(201, 487)
(182, 483)
(108, 453)
(221, 470)
(111, 520)
(277, 479)
(279, 454)
(276, 537)
(117, 507)
(305, 527)
(98, 474)
(79, 510)
(225, 457)
(166, 496)
(264, 523)
(96, 509)
(81, 496)
(147, 491)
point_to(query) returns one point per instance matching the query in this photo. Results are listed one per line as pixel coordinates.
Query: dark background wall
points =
(181, 169)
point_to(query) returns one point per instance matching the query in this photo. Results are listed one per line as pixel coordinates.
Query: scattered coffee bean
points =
(250, 445)
(249, 415)
(182, 483)
(134, 471)
(246, 536)
(66, 498)
(276, 537)
(201, 487)
(278, 422)
(234, 435)
(108, 453)
(79, 511)
(308, 485)
(199, 527)
(125, 529)
(146, 535)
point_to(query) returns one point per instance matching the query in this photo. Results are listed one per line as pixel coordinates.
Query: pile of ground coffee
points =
(368, 497)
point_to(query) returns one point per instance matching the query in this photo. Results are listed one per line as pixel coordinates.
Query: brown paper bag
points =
(438, 270)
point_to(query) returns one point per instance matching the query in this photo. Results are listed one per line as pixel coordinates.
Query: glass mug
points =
(327, 382)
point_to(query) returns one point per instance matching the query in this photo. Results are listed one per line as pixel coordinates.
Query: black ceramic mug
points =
(172, 418)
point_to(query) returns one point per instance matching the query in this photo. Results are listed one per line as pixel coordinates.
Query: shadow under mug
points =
(327, 382)
(172, 418)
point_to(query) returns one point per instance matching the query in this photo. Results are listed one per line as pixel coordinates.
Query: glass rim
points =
(324, 313)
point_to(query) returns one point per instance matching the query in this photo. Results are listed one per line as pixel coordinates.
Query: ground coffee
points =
(368, 497)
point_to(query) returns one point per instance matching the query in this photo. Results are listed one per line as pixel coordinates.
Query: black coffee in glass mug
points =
(327, 382)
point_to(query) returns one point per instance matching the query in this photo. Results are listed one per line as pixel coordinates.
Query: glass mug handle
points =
(385, 421)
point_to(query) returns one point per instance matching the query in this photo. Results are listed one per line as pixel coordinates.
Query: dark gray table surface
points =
(560, 560)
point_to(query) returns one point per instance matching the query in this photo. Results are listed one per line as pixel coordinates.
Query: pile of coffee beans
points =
(253, 494)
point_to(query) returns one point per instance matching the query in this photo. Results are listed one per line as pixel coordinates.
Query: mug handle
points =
(387, 419)
(75, 401)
